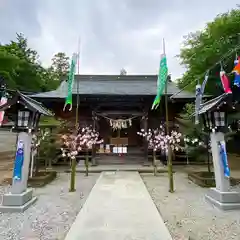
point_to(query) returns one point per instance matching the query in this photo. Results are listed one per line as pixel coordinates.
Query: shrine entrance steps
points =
(111, 158)
(119, 207)
(122, 167)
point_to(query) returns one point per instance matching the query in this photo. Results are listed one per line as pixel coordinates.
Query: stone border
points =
(38, 181)
(200, 180)
(41, 181)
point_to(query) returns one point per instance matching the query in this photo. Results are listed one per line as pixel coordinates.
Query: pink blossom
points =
(158, 139)
(84, 138)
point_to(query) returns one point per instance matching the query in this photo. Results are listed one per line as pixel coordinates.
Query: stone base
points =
(223, 200)
(17, 202)
(146, 164)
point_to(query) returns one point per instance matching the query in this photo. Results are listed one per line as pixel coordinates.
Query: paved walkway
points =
(119, 207)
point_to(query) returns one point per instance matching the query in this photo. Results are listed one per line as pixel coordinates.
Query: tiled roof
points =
(34, 105)
(26, 101)
(215, 103)
(114, 85)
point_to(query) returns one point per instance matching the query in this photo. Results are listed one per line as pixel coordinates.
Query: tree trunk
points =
(50, 162)
(87, 163)
(208, 161)
(73, 175)
(154, 163)
(37, 160)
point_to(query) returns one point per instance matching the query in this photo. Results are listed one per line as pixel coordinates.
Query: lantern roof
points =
(223, 101)
(28, 102)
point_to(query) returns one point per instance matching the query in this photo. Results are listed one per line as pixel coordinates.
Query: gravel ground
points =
(186, 213)
(52, 215)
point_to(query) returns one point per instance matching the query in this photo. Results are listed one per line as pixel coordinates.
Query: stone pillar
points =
(222, 183)
(20, 197)
(221, 196)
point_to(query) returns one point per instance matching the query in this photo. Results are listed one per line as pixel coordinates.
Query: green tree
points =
(20, 49)
(203, 49)
(49, 79)
(60, 65)
(8, 65)
(123, 72)
(20, 67)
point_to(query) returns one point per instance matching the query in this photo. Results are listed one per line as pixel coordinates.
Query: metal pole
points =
(73, 167)
(169, 155)
(78, 71)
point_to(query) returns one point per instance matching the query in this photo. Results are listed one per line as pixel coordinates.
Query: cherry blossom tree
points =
(83, 139)
(37, 138)
(191, 144)
(159, 140)
(197, 147)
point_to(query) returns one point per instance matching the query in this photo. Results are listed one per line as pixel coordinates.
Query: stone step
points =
(7, 160)
(5, 175)
(116, 159)
(7, 141)
(7, 166)
(7, 156)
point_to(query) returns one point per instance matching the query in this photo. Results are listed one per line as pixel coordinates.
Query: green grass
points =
(48, 121)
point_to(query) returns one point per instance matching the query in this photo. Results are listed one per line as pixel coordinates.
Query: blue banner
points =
(17, 173)
(224, 159)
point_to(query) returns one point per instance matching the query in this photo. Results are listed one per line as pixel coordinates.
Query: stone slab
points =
(224, 197)
(119, 207)
(20, 199)
(223, 200)
(223, 206)
(17, 209)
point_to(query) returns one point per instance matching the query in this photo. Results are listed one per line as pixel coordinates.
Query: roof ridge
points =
(128, 85)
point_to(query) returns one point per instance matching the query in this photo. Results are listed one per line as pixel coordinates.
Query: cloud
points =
(18, 16)
(114, 34)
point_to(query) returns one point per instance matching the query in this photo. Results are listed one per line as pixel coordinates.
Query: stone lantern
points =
(214, 113)
(214, 116)
(27, 118)
(26, 112)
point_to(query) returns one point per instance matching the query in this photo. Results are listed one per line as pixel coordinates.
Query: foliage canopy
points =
(203, 49)
(21, 68)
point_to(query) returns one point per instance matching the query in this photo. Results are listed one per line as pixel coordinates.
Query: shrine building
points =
(105, 101)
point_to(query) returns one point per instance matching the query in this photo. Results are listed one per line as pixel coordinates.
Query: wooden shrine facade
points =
(104, 99)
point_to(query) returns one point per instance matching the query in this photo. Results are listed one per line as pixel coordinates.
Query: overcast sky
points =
(114, 34)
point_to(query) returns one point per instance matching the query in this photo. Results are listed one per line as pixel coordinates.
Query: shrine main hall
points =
(106, 100)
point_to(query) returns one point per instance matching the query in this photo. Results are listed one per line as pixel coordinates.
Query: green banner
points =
(162, 78)
(70, 82)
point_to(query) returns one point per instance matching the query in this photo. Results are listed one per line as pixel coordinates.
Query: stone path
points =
(119, 207)
(7, 141)
(7, 151)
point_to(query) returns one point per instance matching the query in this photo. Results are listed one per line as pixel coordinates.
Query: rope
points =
(111, 119)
